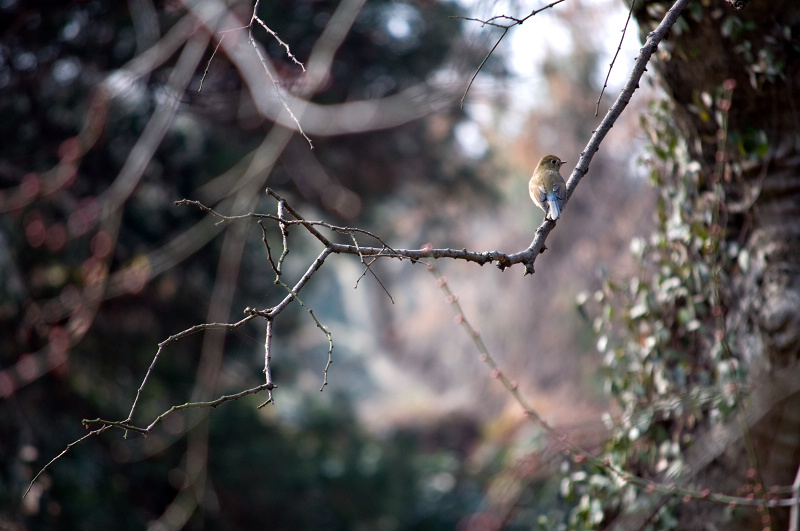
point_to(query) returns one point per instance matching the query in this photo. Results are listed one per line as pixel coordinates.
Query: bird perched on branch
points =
(547, 187)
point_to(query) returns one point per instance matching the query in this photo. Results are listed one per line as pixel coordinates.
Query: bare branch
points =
(63, 452)
(265, 64)
(487, 22)
(208, 64)
(268, 362)
(503, 260)
(515, 21)
(275, 36)
(172, 339)
(277, 86)
(480, 66)
(269, 251)
(325, 331)
(605, 83)
(126, 425)
(367, 267)
(505, 27)
(284, 236)
(275, 310)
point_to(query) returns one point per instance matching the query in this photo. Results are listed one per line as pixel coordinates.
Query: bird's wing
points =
(540, 192)
(560, 192)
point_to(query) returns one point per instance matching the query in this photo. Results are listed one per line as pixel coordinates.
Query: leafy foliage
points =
(662, 332)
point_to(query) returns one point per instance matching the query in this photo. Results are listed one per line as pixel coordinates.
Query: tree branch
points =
(639, 68)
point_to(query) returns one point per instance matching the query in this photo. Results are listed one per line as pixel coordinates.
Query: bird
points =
(547, 187)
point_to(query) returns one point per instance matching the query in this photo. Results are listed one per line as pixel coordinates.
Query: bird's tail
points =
(554, 212)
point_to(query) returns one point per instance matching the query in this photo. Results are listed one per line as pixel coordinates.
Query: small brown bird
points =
(547, 187)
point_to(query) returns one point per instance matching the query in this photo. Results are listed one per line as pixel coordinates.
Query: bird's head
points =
(551, 162)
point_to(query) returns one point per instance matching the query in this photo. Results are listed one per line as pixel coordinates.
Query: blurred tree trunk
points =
(758, 48)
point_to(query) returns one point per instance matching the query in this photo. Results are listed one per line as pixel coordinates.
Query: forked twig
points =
(505, 28)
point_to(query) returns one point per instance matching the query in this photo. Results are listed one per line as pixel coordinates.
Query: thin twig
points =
(487, 22)
(605, 83)
(269, 251)
(325, 331)
(502, 260)
(480, 66)
(265, 64)
(284, 236)
(648, 49)
(208, 64)
(268, 362)
(505, 27)
(173, 338)
(59, 456)
(126, 425)
(281, 218)
(275, 36)
(271, 313)
(367, 267)
(277, 87)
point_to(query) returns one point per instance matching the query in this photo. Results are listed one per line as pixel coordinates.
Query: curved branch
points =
(321, 120)
(503, 260)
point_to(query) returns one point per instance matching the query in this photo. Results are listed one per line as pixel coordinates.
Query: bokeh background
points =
(105, 125)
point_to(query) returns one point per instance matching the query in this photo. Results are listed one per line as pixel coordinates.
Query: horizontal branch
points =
(501, 259)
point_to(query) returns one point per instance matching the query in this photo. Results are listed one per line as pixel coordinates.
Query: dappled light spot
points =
(30, 186)
(83, 217)
(28, 367)
(136, 276)
(59, 344)
(70, 297)
(35, 230)
(80, 322)
(7, 386)
(56, 237)
(70, 150)
(93, 271)
(102, 244)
